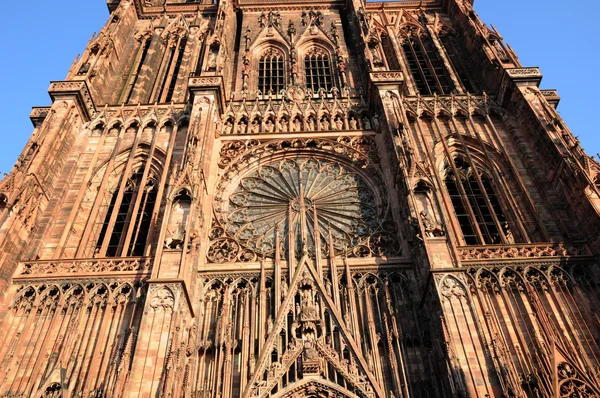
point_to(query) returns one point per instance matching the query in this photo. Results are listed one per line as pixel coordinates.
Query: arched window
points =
(128, 216)
(172, 65)
(271, 77)
(456, 54)
(425, 64)
(134, 78)
(317, 67)
(476, 205)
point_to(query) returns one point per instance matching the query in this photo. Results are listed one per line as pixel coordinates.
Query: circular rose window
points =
(309, 203)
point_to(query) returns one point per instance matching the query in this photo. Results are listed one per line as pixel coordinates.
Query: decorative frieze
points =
(495, 252)
(87, 266)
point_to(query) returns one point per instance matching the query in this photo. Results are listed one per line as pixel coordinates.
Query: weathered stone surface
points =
(299, 199)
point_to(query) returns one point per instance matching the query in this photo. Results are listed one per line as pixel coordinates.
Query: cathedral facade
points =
(301, 198)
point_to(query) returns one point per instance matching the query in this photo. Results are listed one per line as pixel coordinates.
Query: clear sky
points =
(43, 37)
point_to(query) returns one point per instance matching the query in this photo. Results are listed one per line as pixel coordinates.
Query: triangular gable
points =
(312, 344)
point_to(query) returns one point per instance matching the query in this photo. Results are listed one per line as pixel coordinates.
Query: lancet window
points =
(426, 65)
(128, 216)
(138, 64)
(271, 76)
(174, 57)
(456, 55)
(317, 67)
(477, 205)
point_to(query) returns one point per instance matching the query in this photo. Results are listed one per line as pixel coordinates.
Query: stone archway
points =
(314, 388)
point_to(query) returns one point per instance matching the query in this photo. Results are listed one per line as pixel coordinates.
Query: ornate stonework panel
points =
(303, 196)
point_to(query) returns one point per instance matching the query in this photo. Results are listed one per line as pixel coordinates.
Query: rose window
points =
(302, 202)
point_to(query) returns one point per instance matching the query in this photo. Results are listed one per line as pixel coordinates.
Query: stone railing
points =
(85, 266)
(500, 252)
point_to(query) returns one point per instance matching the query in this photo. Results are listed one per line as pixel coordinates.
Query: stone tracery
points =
(298, 195)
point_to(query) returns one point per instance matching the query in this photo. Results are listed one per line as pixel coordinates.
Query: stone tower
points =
(302, 198)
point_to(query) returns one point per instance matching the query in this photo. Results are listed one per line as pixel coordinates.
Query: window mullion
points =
(430, 65)
(418, 64)
(113, 218)
(479, 218)
(269, 87)
(138, 223)
(129, 222)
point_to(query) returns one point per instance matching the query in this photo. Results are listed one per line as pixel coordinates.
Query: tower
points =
(300, 199)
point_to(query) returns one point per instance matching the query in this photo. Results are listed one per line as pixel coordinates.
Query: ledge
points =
(204, 83)
(494, 253)
(38, 115)
(84, 267)
(520, 77)
(551, 95)
(60, 90)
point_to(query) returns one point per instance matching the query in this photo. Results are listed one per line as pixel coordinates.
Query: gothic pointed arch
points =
(272, 72)
(314, 388)
(424, 62)
(316, 58)
(483, 204)
(121, 197)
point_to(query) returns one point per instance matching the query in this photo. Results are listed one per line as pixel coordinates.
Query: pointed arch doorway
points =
(314, 388)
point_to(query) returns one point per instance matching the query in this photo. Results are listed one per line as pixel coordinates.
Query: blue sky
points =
(43, 37)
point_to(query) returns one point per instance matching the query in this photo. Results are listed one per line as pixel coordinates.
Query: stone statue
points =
(175, 241)
(432, 228)
(353, 124)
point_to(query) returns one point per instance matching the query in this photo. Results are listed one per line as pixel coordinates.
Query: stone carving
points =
(223, 251)
(162, 300)
(516, 251)
(85, 266)
(175, 241)
(272, 198)
(432, 228)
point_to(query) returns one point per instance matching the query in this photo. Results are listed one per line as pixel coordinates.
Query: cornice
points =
(197, 84)
(145, 11)
(74, 88)
(300, 4)
(397, 5)
(38, 115)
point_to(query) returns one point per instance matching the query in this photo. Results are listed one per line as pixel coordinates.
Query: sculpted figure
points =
(353, 123)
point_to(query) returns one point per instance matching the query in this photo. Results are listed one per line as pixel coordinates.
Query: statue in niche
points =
(85, 68)
(291, 31)
(432, 228)
(211, 63)
(366, 123)
(353, 123)
(282, 125)
(256, 126)
(242, 127)
(339, 123)
(510, 239)
(297, 125)
(175, 241)
(325, 124)
(310, 123)
(375, 48)
(270, 126)
(247, 38)
(228, 127)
